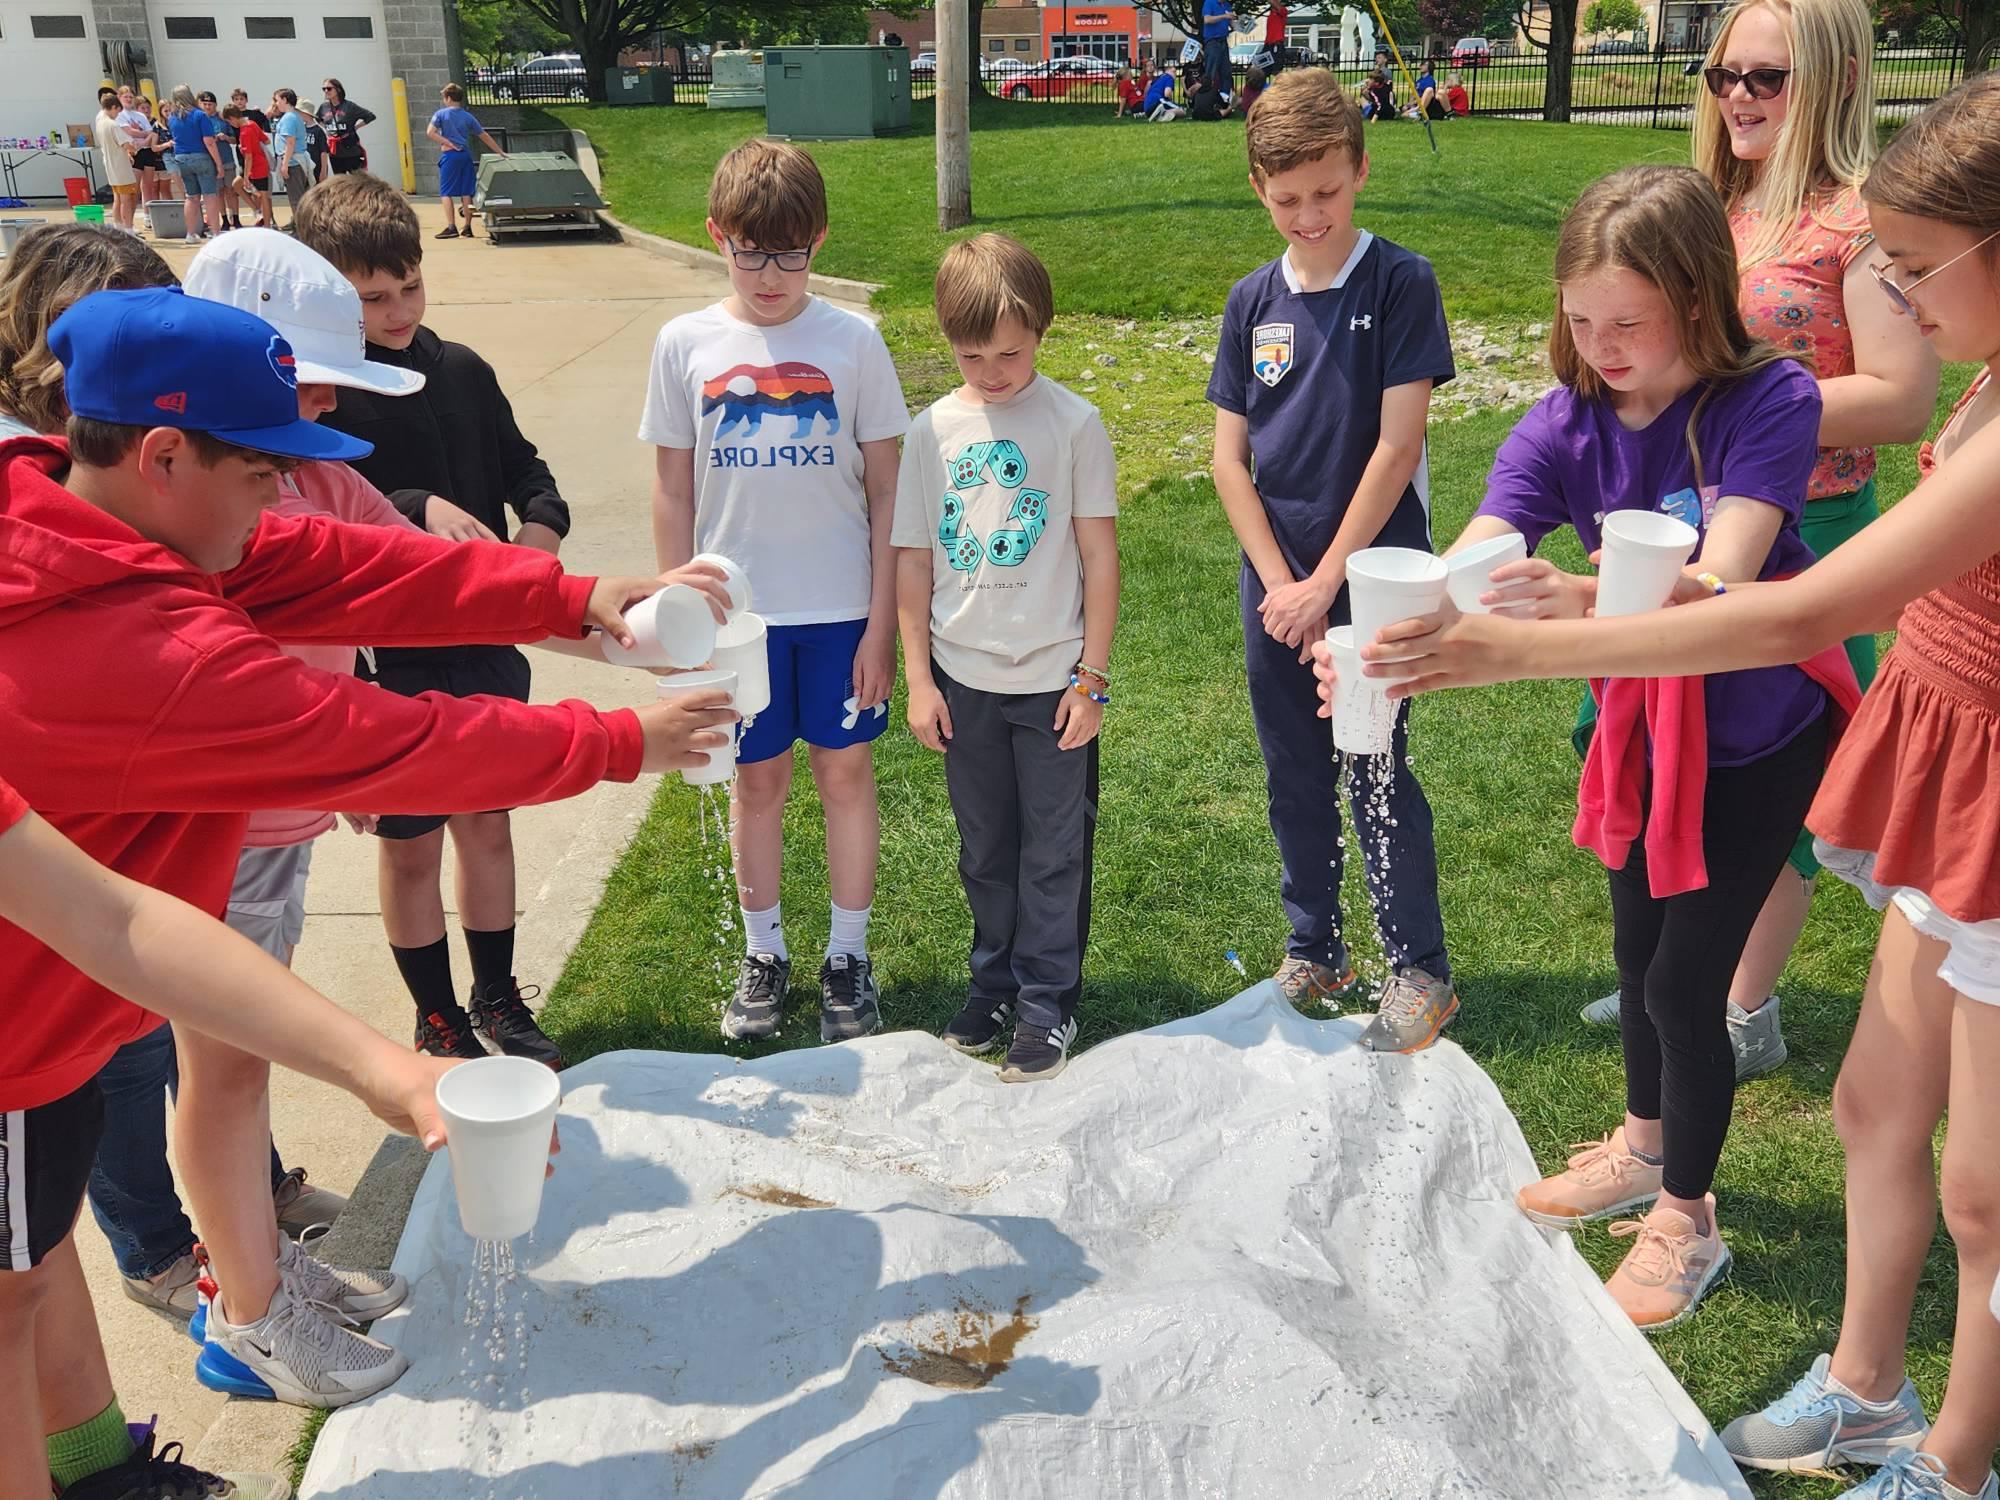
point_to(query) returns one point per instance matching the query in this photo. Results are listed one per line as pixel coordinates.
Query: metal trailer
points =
(535, 190)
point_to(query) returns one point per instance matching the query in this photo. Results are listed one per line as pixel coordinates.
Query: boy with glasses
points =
(776, 418)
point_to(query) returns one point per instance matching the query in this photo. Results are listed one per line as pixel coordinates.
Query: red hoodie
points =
(145, 710)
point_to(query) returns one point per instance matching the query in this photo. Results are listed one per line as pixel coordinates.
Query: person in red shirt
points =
(1131, 97)
(253, 142)
(1275, 20)
(1455, 96)
(143, 596)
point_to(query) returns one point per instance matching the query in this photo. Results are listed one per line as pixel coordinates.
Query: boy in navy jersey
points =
(1323, 380)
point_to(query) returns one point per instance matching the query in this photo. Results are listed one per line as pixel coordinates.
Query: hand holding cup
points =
(681, 730)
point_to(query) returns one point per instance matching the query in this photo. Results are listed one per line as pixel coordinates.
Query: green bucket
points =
(90, 213)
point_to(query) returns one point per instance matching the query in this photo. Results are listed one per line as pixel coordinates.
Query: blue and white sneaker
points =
(299, 1352)
(1819, 1423)
(1918, 1476)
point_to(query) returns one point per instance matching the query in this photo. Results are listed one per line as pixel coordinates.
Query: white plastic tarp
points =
(1235, 1256)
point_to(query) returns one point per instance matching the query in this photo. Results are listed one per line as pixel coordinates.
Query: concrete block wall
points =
(420, 53)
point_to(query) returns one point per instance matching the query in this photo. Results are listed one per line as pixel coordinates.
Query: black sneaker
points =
(505, 1020)
(446, 234)
(448, 1033)
(979, 1024)
(849, 1005)
(757, 1008)
(147, 1475)
(1038, 1052)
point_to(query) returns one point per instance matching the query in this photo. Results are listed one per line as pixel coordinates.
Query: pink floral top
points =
(1794, 299)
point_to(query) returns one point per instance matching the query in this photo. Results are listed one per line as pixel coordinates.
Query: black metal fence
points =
(1608, 84)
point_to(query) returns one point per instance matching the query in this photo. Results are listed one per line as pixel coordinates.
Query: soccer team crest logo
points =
(1271, 352)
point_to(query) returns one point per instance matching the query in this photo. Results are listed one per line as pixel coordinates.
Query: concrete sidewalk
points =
(569, 325)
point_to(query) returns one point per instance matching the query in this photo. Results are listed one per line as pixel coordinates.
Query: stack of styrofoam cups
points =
(722, 762)
(673, 628)
(1364, 717)
(498, 1112)
(1471, 571)
(1644, 553)
(1389, 584)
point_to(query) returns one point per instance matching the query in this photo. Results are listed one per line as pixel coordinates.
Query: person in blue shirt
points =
(1159, 103)
(291, 149)
(198, 162)
(455, 128)
(1323, 380)
(1429, 101)
(1216, 16)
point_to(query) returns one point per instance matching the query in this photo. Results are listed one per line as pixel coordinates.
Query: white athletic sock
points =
(764, 931)
(849, 932)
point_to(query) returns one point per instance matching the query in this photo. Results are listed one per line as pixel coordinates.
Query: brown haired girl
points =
(1694, 787)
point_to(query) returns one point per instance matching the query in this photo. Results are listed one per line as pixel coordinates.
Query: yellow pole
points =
(401, 95)
(149, 90)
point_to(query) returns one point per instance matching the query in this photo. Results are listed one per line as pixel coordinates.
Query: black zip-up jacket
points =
(456, 438)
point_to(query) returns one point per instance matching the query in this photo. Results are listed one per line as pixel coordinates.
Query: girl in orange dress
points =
(1909, 811)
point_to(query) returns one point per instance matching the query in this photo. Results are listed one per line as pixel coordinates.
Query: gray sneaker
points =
(363, 1296)
(849, 1004)
(1303, 982)
(299, 1352)
(1604, 1010)
(1414, 1008)
(172, 1292)
(1918, 1476)
(1755, 1034)
(757, 1008)
(301, 1206)
(1819, 1423)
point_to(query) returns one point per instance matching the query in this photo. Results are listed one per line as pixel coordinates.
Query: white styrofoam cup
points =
(721, 763)
(498, 1112)
(1472, 570)
(1388, 584)
(673, 628)
(1644, 552)
(738, 582)
(1364, 717)
(742, 647)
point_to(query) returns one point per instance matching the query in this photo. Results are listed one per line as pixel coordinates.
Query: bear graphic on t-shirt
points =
(746, 393)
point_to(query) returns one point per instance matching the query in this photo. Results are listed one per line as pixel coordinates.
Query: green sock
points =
(99, 1444)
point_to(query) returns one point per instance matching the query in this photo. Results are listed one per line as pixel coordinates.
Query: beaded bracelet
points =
(1084, 669)
(1100, 699)
(1713, 582)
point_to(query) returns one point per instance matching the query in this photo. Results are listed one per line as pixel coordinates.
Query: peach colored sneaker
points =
(1665, 1275)
(1602, 1179)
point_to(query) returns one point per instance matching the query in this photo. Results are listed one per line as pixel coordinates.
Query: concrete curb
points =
(707, 260)
(257, 1437)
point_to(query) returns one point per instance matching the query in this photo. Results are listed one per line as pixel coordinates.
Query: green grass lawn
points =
(1144, 229)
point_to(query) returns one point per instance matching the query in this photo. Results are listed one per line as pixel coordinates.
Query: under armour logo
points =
(1364, 322)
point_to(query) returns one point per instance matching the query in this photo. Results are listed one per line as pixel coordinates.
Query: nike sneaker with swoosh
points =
(300, 1352)
(1819, 1424)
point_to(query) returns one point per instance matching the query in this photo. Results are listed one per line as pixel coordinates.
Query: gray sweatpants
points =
(1027, 820)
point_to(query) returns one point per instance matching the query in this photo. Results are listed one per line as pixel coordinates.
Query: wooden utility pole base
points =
(954, 114)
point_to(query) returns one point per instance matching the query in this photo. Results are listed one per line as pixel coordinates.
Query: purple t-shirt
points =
(1570, 460)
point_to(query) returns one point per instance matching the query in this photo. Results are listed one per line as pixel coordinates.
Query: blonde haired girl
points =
(1669, 404)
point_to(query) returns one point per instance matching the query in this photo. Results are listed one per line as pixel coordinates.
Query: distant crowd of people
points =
(1195, 92)
(224, 159)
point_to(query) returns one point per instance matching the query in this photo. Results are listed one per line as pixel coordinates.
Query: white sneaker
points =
(362, 1296)
(191, 239)
(1603, 1012)
(299, 1352)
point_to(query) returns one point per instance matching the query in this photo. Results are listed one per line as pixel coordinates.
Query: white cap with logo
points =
(299, 293)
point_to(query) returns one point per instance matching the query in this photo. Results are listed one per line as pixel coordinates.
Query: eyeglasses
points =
(1763, 83)
(1899, 296)
(756, 260)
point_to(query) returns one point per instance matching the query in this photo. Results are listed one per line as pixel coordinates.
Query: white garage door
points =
(260, 45)
(49, 73)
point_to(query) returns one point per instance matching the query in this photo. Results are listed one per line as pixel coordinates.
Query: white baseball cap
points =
(300, 293)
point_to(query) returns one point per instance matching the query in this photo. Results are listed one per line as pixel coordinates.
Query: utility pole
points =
(954, 114)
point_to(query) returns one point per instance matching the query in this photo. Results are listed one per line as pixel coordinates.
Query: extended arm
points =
(1891, 394)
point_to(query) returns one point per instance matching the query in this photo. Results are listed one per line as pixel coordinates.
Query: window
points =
(997, 44)
(269, 28)
(1020, 44)
(190, 28)
(56, 28)
(349, 28)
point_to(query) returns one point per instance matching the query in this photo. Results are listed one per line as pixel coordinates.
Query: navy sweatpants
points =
(1302, 773)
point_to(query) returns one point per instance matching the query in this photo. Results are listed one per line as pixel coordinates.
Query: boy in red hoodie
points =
(143, 597)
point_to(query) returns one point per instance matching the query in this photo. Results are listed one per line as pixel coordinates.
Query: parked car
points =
(1055, 80)
(923, 64)
(560, 75)
(1620, 45)
(1472, 52)
(1003, 67)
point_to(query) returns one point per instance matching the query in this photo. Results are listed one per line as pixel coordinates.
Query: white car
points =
(924, 62)
(1001, 67)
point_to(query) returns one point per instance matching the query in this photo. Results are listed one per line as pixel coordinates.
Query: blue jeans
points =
(1215, 59)
(132, 1188)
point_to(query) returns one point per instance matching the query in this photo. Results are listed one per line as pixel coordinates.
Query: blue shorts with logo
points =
(456, 177)
(812, 677)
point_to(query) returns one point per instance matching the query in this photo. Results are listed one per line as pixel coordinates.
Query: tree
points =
(1557, 24)
(1613, 15)
(1974, 23)
(497, 31)
(1451, 19)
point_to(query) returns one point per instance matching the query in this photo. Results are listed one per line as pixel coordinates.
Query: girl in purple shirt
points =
(1668, 404)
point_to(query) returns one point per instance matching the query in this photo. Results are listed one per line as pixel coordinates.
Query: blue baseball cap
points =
(159, 358)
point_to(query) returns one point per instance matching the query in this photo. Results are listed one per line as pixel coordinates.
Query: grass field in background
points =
(1144, 229)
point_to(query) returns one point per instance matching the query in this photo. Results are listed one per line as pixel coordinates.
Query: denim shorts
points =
(197, 173)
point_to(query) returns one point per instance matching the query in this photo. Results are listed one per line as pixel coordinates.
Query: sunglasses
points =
(1899, 296)
(1763, 83)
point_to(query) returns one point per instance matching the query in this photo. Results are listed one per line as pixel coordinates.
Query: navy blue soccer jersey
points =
(1308, 370)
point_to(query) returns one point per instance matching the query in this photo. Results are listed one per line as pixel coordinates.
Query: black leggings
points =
(1677, 956)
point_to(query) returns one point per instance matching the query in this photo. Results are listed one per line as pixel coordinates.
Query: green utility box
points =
(836, 93)
(535, 190)
(638, 86)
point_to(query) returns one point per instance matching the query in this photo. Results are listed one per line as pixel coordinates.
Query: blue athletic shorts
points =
(456, 179)
(812, 677)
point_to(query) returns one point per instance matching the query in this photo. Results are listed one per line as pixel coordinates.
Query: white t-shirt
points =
(776, 417)
(991, 491)
(110, 138)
